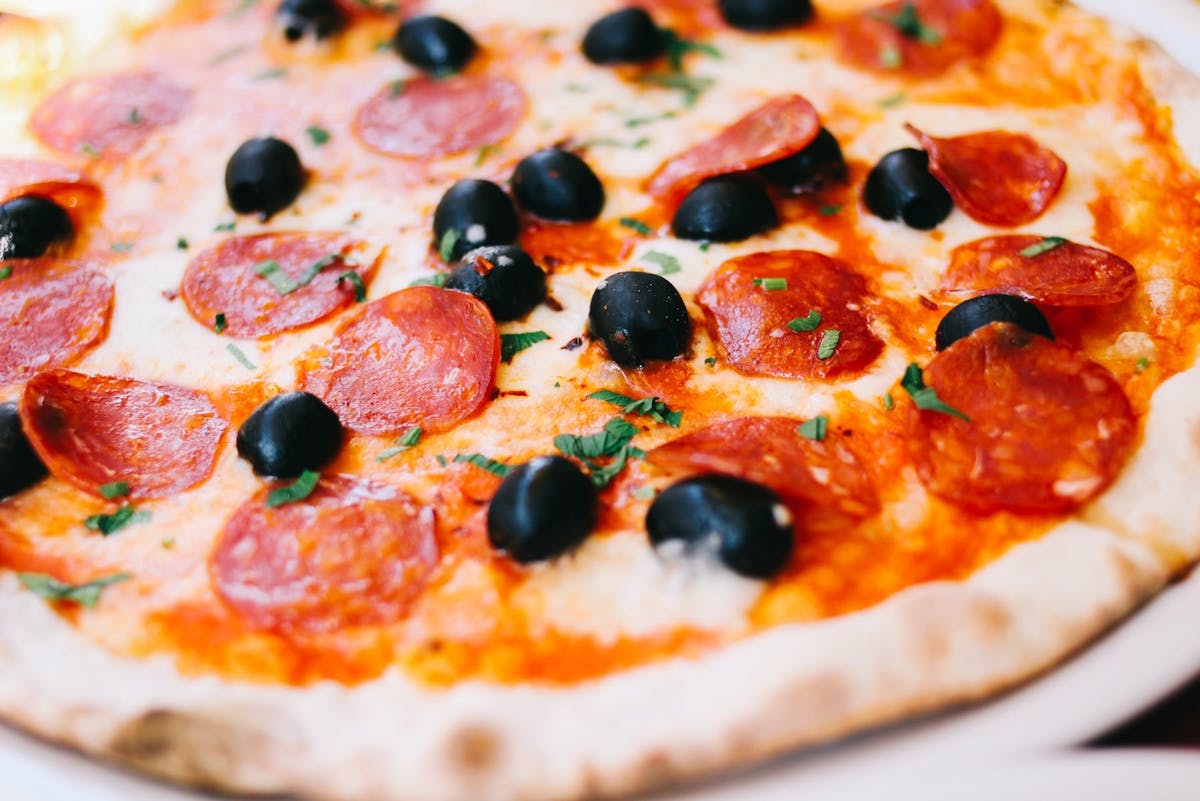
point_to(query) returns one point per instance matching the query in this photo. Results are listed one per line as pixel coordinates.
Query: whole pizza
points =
(449, 399)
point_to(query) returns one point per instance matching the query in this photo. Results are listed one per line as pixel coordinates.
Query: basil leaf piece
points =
(814, 429)
(86, 595)
(829, 342)
(924, 397)
(360, 289)
(484, 463)
(404, 443)
(652, 407)
(668, 263)
(512, 344)
(809, 323)
(636, 225)
(1047, 244)
(114, 490)
(297, 491)
(110, 524)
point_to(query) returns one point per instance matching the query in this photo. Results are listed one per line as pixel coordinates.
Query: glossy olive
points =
(639, 317)
(263, 175)
(819, 164)
(558, 185)
(628, 36)
(318, 18)
(728, 208)
(744, 523)
(30, 224)
(503, 277)
(289, 434)
(900, 187)
(973, 314)
(20, 467)
(542, 509)
(434, 44)
(479, 212)
(765, 15)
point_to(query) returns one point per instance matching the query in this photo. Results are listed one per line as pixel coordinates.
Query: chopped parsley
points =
(691, 86)
(814, 429)
(512, 344)
(181, 244)
(926, 397)
(651, 407)
(636, 225)
(360, 289)
(484, 463)
(317, 134)
(121, 247)
(909, 24)
(637, 122)
(770, 284)
(269, 269)
(1047, 244)
(404, 443)
(809, 323)
(6, 273)
(220, 323)
(829, 342)
(437, 279)
(668, 263)
(830, 209)
(300, 489)
(86, 595)
(114, 490)
(241, 357)
(225, 226)
(449, 240)
(676, 47)
(609, 442)
(110, 524)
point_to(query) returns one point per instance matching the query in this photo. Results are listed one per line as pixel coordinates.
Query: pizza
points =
(447, 399)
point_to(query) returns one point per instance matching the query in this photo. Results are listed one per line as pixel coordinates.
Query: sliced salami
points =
(352, 553)
(425, 117)
(750, 301)
(920, 38)
(91, 430)
(1049, 429)
(109, 115)
(1048, 270)
(270, 283)
(421, 356)
(69, 188)
(780, 127)
(996, 177)
(51, 314)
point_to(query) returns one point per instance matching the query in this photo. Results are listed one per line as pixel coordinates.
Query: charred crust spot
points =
(188, 748)
(475, 749)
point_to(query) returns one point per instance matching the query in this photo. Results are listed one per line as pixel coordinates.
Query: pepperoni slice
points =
(749, 319)
(91, 430)
(69, 188)
(771, 452)
(353, 553)
(780, 127)
(1049, 428)
(996, 177)
(50, 315)
(227, 280)
(426, 117)
(946, 32)
(1067, 274)
(421, 356)
(110, 114)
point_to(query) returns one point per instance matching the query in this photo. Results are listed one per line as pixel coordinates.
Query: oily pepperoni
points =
(1049, 429)
(91, 430)
(421, 356)
(50, 315)
(750, 322)
(223, 280)
(110, 114)
(353, 553)
(771, 452)
(427, 117)
(961, 30)
(780, 127)
(1070, 274)
(69, 188)
(996, 177)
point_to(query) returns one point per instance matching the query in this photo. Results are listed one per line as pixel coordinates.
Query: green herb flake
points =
(924, 397)
(86, 595)
(360, 289)
(110, 524)
(612, 442)
(770, 284)
(269, 269)
(890, 58)
(396, 88)
(437, 279)
(225, 226)
(605, 141)
(317, 134)
(449, 240)
(704, 246)
(300, 489)
(637, 122)
(512, 344)
(893, 100)
(89, 150)
(829, 343)
(691, 86)
(636, 225)
(135, 117)
(814, 429)
(830, 209)
(121, 247)
(484, 463)
(1141, 365)
(908, 22)
(220, 323)
(269, 74)
(5, 273)
(889, 402)
(241, 357)
(668, 263)
(711, 361)
(676, 47)
(404, 443)
(181, 244)
(441, 460)
(1047, 244)
(651, 407)
(484, 153)
(809, 323)
(116, 489)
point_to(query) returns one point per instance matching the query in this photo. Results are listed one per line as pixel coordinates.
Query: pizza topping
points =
(298, 490)
(111, 114)
(558, 185)
(512, 344)
(752, 326)
(926, 397)
(268, 283)
(473, 213)
(543, 509)
(108, 524)
(50, 317)
(318, 18)
(819, 164)
(69, 188)
(503, 277)
(86, 595)
(289, 434)
(1049, 428)
(639, 317)
(652, 407)
(426, 118)
(773, 131)
(263, 175)
(996, 177)
(421, 356)
(91, 430)
(901, 187)
(744, 524)
(20, 467)
(30, 224)
(921, 38)
(765, 15)
(628, 36)
(352, 553)
(1049, 270)
(434, 44)
(971, 315)
(725, 209)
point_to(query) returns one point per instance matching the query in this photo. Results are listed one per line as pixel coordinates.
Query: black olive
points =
(30, 224)
(900, 186)
(479, 212)
(975, 313)
(434, 44)
(289, 434)
(765, 15)
(503, 277)
(745, 523)
(728, 208)
(639, 317)
(628, 36)
(557, 185)
(20, 467)
(321, 18)
(263, 175)
(818, 164)
(542, 509)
